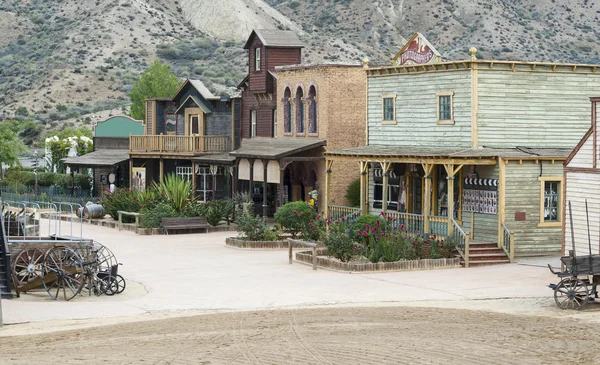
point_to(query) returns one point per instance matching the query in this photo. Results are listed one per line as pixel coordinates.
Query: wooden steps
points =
(485, 254)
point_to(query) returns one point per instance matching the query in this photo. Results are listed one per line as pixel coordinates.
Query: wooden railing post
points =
(512, 248)
(314, 253)
(472, 225)
(466, 250)
(290, 244)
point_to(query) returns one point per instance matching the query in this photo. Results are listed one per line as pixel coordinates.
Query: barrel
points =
(79, 212)
(93, 211)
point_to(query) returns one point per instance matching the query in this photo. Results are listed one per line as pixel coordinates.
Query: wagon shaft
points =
(46, 279)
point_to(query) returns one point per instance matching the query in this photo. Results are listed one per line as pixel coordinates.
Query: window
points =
(312, 110)
(550, 201)
(274, 135)
(299, 111)
(388, 109)
(204, 184)
(184, 172)
(287, 111)
(393, 189)
(257, 59)
(445, 109)
(252, 123)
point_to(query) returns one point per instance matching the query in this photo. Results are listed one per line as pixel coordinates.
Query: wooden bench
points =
(122, 213)
(184, 223)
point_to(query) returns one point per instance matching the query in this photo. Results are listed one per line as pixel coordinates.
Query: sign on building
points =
(417, 51)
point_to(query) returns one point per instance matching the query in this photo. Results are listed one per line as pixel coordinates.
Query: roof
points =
(244, 82)
(275, 38)
(403, 151)
(318, 65)
(223, 158)
(98, 158)
(274, 148)
(199, 86)
(198, 102)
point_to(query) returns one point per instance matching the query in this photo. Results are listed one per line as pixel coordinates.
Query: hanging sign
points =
(416, 51)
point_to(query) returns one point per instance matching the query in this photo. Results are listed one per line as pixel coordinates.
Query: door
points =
(194, 124)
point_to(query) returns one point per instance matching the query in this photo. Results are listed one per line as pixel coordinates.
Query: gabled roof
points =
(197, 101)
(199, 86)
(274, 148)
(244, 83)
(275, 38)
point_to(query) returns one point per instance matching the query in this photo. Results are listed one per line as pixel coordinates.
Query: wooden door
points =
(194, 124)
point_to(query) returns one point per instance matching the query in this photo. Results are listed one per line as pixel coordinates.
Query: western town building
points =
(472, 146)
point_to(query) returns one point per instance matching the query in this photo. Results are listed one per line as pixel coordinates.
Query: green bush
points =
(46, 178)
(176, 190)
(151, 217)
(339, 242)
(252, 228)
(294, 217)
(122, 199)
(353, 193)
(83, 181)
(62, 180)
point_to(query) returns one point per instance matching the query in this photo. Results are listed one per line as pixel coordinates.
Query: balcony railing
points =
(178, 144)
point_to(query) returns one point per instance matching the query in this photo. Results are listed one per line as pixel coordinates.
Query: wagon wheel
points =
(27, 266)
(121, 282)
(109, 285)
(571, 293)
(63, 273)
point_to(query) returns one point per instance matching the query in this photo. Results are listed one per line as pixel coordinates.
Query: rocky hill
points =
(66, 61)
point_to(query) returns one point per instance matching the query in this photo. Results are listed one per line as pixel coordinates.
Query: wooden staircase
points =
(483, 253)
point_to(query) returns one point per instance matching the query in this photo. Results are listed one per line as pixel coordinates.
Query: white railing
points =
(462, 241)
(508, 243)
(337, 212)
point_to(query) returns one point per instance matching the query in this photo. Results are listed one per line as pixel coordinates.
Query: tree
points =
(10, 146)
(156, 82)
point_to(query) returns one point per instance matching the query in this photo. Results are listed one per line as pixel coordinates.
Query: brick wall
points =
(341, 116)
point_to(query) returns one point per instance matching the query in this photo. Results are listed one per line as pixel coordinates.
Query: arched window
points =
(299, 100)
(312, 110)
(287, 111)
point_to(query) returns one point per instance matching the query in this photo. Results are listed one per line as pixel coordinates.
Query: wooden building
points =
(472, 146)
(189, 135)
(109, 159)
(582, 184)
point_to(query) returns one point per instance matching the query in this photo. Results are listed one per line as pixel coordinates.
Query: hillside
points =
(71, 61)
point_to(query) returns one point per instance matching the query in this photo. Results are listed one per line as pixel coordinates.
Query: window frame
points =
(257, 59)
(393, 120)
(274, 123)
(552, 179)
(253, 117)
(438, 99)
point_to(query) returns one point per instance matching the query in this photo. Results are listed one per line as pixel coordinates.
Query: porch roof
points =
(219, 158)
(274, 148)
(98, 158)
(489, 154)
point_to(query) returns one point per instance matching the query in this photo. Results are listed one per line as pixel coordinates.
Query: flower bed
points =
(324, 261)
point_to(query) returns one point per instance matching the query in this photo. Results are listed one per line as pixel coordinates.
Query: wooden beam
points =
(428, 168)
(501, 199)
(328, 166)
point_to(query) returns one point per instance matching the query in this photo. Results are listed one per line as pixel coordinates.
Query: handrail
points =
(508, 243)
(462, 241)
(304, 243)
(174, 143)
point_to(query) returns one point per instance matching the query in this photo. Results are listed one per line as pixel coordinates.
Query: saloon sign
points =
(416, 51)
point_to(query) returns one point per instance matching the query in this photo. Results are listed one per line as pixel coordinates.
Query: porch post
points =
(385, 166)
(251, 177)
(428, 168)
(451, 172)
(328, 165)
(364, 183)
(161, 169)
(131, 173)
(213, 171)
(265, 206)
(193, 178)
(233, 176)
(282, 167)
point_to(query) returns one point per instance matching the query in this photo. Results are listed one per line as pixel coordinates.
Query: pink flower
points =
(402, 227)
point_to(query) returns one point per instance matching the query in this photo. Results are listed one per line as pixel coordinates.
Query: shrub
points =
(315, 230)
(46, 178)
(151, 217)
(294, 217)
(339, 242)
(252, 228)
(122, 199)
(83, 181)
(215, 211)
(439, 248)
(353, 193)
(176, 190)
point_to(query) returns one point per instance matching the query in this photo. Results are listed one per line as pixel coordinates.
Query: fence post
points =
(472, 225)
(466, 250)
(314, 252)
(290, 244)
(120, 221)
(512, 248)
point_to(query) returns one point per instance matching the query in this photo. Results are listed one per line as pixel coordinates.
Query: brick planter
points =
(330, 263)
(265, 245)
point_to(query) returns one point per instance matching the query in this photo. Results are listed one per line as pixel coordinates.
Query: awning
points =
(274, 148)
(98, 158)
(215, 158)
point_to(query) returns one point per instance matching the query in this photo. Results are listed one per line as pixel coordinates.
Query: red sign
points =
(417, 52)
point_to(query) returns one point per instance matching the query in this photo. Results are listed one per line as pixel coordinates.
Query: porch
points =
(181, 145)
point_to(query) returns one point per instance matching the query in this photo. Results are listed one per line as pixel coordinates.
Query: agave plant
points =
(177, 191)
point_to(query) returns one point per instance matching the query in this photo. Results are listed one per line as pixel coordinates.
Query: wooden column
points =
(194, 178)
(131, 173)
(282, 167)
(161, 169)
(328, 165)
(385, 166)
(501, 199)
(428, 168)
(363, 186)
(214, 169)
(251, 177)
(233, 176)
(265, 207)
(451, 172)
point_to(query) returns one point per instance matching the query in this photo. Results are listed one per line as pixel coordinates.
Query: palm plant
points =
(177, 191)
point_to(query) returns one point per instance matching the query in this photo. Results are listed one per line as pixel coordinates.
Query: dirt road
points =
(376, 335)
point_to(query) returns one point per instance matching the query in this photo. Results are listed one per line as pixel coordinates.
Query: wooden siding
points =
(416, 109)
(534, 108)
(582, 186)
(258, 79)
(149, 113)
(584, 157)
(263, 116)
(523, 194)
(486, 225)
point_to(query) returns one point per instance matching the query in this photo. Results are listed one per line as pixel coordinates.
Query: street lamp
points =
(36, 157)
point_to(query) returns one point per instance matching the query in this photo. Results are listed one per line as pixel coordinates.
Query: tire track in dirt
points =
(316, 354)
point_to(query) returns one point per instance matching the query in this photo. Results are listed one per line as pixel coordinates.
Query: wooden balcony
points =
(178, 145)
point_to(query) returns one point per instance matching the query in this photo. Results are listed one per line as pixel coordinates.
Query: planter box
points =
(157, 231)
(424, 264)
(144, 231)
(266, 245)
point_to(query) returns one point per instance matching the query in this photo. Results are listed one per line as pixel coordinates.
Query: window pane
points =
(257, 60)
(551, 205)
(445, 108)
(388, 108)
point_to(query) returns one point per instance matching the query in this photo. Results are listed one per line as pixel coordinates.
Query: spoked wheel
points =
(121, 283)
(109, 285)
(63, 274)
(27, 266)
(571, 293)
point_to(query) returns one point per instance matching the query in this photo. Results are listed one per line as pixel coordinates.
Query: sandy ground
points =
(344, 335)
